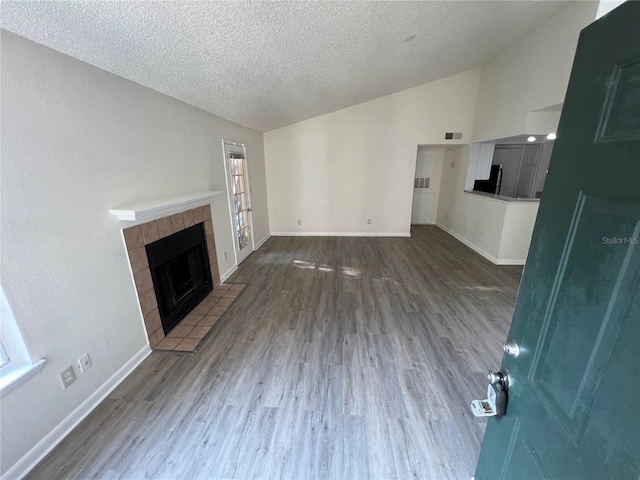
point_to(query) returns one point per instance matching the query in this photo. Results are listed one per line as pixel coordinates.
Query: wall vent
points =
(421, 182)
(453, 136)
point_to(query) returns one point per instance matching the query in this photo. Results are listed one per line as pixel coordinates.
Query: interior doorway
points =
(426, 185)
(239, 190)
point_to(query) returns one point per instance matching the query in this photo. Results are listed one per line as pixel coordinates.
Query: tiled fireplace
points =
(137, 239)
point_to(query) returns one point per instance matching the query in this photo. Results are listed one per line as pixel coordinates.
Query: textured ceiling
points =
(270, 64)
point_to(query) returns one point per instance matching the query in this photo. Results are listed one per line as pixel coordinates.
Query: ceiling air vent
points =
(453, 136)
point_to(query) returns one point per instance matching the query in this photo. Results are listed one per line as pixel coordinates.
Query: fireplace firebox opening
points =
(180, 272)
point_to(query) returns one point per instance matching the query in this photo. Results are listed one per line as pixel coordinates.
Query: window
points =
(4, 358)
(240, 200)
(16, 366)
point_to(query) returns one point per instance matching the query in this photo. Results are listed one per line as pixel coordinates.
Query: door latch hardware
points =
(496, 402)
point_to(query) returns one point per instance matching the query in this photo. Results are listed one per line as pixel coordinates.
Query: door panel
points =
(573, 403)
(567, 391)
(423, 185)
(524, 458)
(422, 207)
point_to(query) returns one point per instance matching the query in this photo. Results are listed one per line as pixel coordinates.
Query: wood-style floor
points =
(345, 358)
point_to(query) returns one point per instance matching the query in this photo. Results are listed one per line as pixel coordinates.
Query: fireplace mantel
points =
(162, 208)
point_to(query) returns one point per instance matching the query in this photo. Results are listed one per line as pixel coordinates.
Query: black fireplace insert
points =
(180, 271)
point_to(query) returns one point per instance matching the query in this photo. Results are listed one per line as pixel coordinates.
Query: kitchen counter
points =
(502, 197)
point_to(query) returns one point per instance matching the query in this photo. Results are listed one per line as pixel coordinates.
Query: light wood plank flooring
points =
(345, 358)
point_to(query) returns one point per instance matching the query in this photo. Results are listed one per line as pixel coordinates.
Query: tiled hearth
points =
(189, 333)
(192, 329)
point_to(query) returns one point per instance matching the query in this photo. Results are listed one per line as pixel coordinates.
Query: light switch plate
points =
(84, 363)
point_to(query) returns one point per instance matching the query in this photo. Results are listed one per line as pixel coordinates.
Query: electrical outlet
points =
(446, 216)
(368, 221)
(299, 222)
(225, 255)
(84, 363)
(67, 376)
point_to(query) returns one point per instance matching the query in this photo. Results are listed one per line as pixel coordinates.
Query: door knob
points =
(502, 378)
(494, 377)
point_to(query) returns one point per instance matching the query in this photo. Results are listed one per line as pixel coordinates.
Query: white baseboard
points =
(340, 234)
(511, 261)
(261, 242)
(472, 246)
(475, 248)
(23, 466)
(228, 273)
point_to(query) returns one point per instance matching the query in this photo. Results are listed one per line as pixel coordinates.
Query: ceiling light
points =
(551, 136)
(531, 139)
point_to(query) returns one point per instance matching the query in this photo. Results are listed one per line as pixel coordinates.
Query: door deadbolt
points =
(512, 349)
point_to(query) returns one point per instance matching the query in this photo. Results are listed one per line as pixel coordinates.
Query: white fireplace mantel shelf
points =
(162, 208)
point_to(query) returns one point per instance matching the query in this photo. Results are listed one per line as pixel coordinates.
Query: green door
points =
(574, 402)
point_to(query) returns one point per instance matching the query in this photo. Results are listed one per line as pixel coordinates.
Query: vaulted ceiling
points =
(270, 64)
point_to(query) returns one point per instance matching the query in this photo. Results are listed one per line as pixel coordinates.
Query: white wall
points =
(475, 220)
(517, 230)
(543, 121)
(532, 74)
(498, 230)
(77, 141)
(335, 171)
(519, 89)
(606, 6)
